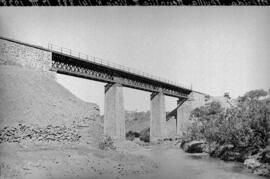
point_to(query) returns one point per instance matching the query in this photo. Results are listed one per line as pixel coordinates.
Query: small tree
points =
(244, 126)
(256, 94)
(227, 95)
(106, 143)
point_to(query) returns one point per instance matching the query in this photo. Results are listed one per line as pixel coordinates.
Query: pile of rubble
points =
(45, 134)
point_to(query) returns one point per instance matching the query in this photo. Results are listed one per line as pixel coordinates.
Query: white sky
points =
(216, 49)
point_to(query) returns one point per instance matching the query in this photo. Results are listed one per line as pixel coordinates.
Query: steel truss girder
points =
(62, 65)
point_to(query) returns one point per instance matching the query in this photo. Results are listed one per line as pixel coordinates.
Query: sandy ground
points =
(33, 98)
(54, 160)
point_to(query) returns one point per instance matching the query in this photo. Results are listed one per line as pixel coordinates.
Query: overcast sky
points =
(216, 49)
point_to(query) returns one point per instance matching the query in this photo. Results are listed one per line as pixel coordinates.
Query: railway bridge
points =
(116, 77)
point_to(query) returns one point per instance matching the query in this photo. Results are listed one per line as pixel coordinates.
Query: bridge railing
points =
(84, 56)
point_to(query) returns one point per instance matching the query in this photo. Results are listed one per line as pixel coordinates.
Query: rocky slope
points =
(137, 121)
(32, 97)
(47, 132)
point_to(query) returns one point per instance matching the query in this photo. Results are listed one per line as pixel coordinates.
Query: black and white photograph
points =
(147, 89)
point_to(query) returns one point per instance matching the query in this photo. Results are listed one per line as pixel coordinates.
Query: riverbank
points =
(174, 163)
(234, 133)
(256, 160)
(128, 160)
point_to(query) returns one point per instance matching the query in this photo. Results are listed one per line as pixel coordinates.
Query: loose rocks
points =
(48, 133)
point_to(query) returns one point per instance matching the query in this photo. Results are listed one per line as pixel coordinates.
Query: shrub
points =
(106, 143)
(245, 126)
(256, 94)
(130, 135)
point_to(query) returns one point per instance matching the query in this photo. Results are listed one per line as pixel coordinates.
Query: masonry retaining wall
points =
(21, 54)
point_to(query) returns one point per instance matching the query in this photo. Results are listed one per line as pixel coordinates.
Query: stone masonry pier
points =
(158, 116)
(114, 117)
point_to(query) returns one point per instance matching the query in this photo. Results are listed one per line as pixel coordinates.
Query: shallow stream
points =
(176, 164)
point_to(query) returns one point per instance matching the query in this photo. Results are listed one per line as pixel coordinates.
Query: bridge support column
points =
(114, 119)
(158, 117)
(183, 113)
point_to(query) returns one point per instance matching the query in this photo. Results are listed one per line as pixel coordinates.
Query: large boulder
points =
(220, 150)
(211, 147)
(145, 135)
(259, 163)
(229, 152)
(230, 155)
(264, 157)
(252, 163)
(131, 135)
(246, 152)
(258, 168)
(193, 146)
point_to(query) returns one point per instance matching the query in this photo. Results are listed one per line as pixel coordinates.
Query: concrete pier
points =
(158, 117)
(114, 118)
(183, 113)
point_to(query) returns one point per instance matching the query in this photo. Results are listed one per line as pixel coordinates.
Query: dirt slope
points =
(137, 125)
(35, 108)
(32, 97)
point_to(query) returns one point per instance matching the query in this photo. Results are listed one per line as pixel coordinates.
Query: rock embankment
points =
(22, 133)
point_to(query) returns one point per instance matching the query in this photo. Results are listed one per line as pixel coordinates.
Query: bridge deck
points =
(104, 72)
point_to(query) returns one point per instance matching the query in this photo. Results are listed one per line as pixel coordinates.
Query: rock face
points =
(193, 146)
